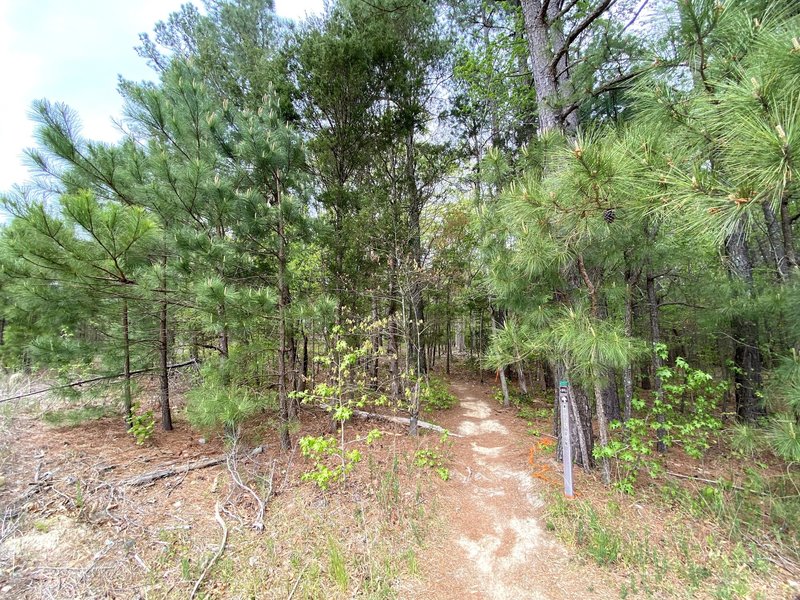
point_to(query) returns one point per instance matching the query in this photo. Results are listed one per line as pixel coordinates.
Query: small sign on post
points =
(566, 440)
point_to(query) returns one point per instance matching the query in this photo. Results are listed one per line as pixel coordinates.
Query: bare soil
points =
(493, 544)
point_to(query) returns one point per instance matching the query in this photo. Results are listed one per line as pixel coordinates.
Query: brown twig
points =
(219, 552)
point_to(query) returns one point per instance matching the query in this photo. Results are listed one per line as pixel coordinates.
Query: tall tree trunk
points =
(127, 399)
(655, 339)
(480, 344)
(747, 355)
(447, 337)
(304, 378)
(392, 333)
(551, 78)
(163, 351)
(611, 397)
(498, 318)
(627, 372)
(602, 427)
(788, 234)
(580, 421)
(283, 306)
(599, 397)
(294, 402)
(416, 347)
(376, 343)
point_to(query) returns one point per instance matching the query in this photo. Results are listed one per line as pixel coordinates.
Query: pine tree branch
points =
(579, 29)
(564, 11)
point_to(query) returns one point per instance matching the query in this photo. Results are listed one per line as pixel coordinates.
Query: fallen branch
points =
(711, 481)
(361, 414)
(219, 552)
(233, 469)
(96, 379)
(171, 471)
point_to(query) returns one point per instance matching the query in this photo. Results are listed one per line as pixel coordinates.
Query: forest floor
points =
(495, 545)
(494, 526)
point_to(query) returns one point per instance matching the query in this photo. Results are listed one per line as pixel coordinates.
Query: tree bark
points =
(627, 372)
(163, 352)
(602, 427)
(283, 305)
(523, 385)
(788, 234)
(127, 400)
(392, 333)
(416, 348)
(580, 421)
(376, 344)
(551, 78)
(776, 242)
(498, 318)
(747, 355)
(655, 339)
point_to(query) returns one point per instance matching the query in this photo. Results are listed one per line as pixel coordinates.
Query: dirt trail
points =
(494, 545)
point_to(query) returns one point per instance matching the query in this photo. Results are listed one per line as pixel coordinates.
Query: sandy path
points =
(493, 543)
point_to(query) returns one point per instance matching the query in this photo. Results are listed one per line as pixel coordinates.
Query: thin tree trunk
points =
(776, 242)
(498, 318)
(627, 372)
(523, 385)
(602, 426)
(600, 397)
(788, 234)
(480, 344)
(376, 344)
(127, 399)
(580, 423)
(392, 346)
(163, 352)
(283, 305)
(447, 338)
(304, 378)
(655, 338)
(163, 338)
(416, 346)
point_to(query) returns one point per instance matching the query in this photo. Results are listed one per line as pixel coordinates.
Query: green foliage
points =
(430, 459)
(689, 408)
(76, 416)
(745, 439)
(435, 394)
(322, 451)
(142, 425)
(228, 392)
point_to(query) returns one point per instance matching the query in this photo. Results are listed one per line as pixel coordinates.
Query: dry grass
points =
(71, 531)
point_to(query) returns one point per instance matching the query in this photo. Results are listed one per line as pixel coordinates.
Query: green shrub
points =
(436, 395)
(76, 416)
(142, 425)
(324, 450)
(688, 408)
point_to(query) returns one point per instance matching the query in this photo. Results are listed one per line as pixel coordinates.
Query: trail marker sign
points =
(566, 440)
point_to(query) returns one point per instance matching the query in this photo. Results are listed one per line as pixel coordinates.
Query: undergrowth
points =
(77, 416)
(688, 542)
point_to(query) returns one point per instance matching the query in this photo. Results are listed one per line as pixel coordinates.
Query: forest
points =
(319, 246)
